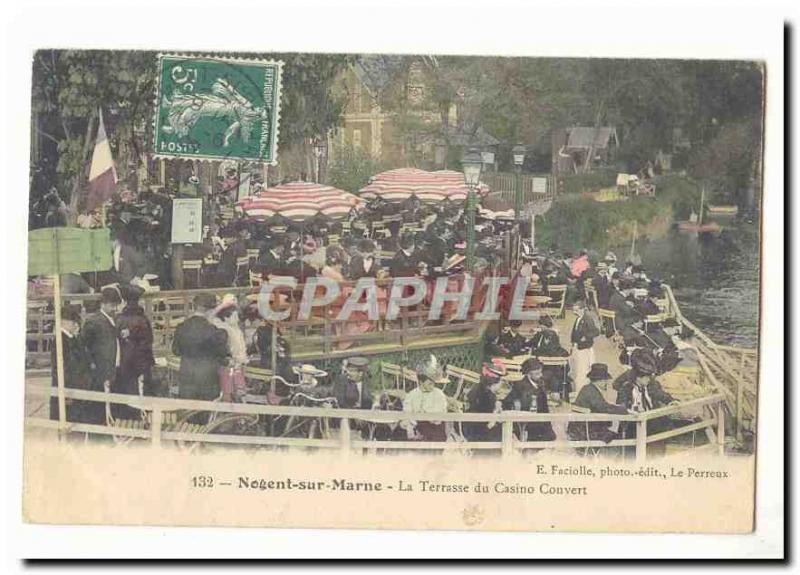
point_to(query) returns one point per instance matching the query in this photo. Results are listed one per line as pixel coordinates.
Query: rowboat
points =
(697, 228)
(723, 210)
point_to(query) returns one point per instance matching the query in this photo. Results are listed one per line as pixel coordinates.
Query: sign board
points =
(53, 251)
(487, 157)
(217, 108)
(187, 221)
(539, 185)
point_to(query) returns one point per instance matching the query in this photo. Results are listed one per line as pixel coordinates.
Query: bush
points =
(352, 168)
(579, 222)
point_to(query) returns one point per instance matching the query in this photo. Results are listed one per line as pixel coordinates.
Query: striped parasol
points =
(430, 187)
(299, 201)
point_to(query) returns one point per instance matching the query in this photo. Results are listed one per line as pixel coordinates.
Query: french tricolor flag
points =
(102, 174)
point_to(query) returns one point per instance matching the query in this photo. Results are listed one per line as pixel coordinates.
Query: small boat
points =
(695, 223)
(697, 228)
(723, 210)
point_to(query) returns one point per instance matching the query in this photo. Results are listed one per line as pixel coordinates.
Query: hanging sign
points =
(187, 221)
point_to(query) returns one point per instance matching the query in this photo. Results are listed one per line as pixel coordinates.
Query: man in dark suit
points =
(100, 338)
(76, 370)
(530, 394)
(584, 330)
(237, 248)
(351, 386)
(203, 349)
(510, 342)
(591, 397)
(638, 389)
(404, 263)
(136, 346)
(269, 260)
(364, 264)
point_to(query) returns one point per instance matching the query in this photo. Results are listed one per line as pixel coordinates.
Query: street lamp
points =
(518, 152)
(472, 162)
(320, 147)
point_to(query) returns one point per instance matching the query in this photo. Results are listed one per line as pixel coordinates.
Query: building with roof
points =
(388, 116)
(581, 148)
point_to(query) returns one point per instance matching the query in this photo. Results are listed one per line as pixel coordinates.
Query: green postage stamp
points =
(217, 108)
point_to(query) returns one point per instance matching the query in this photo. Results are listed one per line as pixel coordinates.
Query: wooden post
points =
(326, 330)
(274, 355)
(177, 266)
(155, 426)
(62, 401)
(721, 427)
(344, 435)
(739, 408)
(641, 441)
(508, 439)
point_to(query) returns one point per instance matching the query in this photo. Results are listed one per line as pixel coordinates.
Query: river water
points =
(715, 279)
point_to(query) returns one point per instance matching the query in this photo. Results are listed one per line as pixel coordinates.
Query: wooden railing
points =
(732, 371)
(321, 334)
(711, 407)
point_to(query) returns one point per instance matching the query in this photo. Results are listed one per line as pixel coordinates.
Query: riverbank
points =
(577, 220)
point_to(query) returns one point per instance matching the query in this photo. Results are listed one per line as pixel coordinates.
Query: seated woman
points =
(482, 398)
(424, 399)
(546, 341)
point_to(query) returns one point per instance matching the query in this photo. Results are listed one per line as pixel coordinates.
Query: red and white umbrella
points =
(299, 201)
(430, 187)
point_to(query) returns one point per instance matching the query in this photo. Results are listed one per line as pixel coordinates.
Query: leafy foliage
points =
(351, 168)
(577, 221)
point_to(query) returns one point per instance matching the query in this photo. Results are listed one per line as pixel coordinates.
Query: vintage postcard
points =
(393, 291)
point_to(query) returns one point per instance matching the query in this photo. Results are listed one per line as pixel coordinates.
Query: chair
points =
(593, 451)
(255, 278)
(400, 375)
(226, 213)
(345, 228)
(610, 316)
(464, 379)
(591, 295)
(195, 267)
(385, 256)
(242, 264)
(253, 254)
(556, 361)
(653, 319)
(663, 305)
(377, 229)
(333, 239)
(558, 293)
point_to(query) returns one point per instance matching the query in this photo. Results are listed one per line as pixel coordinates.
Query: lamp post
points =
(518, 152)
(320, 147)
(472, 162)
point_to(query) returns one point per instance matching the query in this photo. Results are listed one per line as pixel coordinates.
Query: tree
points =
(351, 168)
